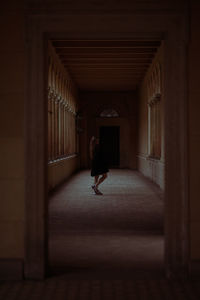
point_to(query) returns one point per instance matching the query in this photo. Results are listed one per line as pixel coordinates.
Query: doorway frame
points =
(118, 127)
(173, 32)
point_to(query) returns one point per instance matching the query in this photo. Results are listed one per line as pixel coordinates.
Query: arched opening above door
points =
(109, 113)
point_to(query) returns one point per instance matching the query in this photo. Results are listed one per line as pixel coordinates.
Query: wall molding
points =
(147, 157)
(102, 6)
(60, 171)
(152, 168)
(62, 159)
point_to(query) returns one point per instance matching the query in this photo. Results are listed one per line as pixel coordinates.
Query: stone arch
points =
(176, 213)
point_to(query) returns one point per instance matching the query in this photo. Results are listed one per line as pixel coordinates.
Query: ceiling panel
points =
(106, 64)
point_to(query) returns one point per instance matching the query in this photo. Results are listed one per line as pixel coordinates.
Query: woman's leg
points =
(104, 176)
(94, 187)
(96, 178)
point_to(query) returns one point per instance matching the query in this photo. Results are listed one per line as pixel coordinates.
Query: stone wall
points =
(149, 166)
(62, 132)
(13, 87)
(12, 93)
(125, 103)
(61, 170)
(194, 133)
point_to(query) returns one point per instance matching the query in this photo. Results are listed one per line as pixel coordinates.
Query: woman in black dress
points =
(99, 165)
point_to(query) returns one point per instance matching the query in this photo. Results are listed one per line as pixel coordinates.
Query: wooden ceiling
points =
(99, 65)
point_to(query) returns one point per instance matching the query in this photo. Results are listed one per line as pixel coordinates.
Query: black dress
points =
(99, 164)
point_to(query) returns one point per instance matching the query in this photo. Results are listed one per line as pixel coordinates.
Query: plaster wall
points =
(152, 168)
(12, 94)
(194, 131)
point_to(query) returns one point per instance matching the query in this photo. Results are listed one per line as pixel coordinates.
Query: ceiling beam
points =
(100, 51)
(106, 55)
(105, 44)
(106, 60)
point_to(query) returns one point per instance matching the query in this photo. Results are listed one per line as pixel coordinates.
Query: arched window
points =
(109, 113)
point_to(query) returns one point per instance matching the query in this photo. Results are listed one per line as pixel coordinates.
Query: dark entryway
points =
(109, 140)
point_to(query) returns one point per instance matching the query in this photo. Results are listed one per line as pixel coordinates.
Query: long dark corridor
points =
(113, 235)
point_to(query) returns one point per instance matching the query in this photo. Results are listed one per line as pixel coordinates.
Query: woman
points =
(99, 166)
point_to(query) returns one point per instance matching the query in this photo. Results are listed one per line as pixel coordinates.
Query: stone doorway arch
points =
(143, 26)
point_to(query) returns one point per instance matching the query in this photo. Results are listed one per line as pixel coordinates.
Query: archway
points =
(176, 209)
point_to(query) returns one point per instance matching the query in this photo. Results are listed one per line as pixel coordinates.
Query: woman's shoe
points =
(97, 192)
(95, 189)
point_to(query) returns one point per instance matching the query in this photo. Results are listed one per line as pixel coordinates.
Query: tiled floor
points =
(60, 288)
(118, 234)
(106, 247)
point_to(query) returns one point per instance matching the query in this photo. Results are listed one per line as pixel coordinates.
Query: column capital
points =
(157, 97)
(154, 99)
(57, 98)
(50, 93)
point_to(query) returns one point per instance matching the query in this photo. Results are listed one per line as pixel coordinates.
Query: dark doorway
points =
(109, 140)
